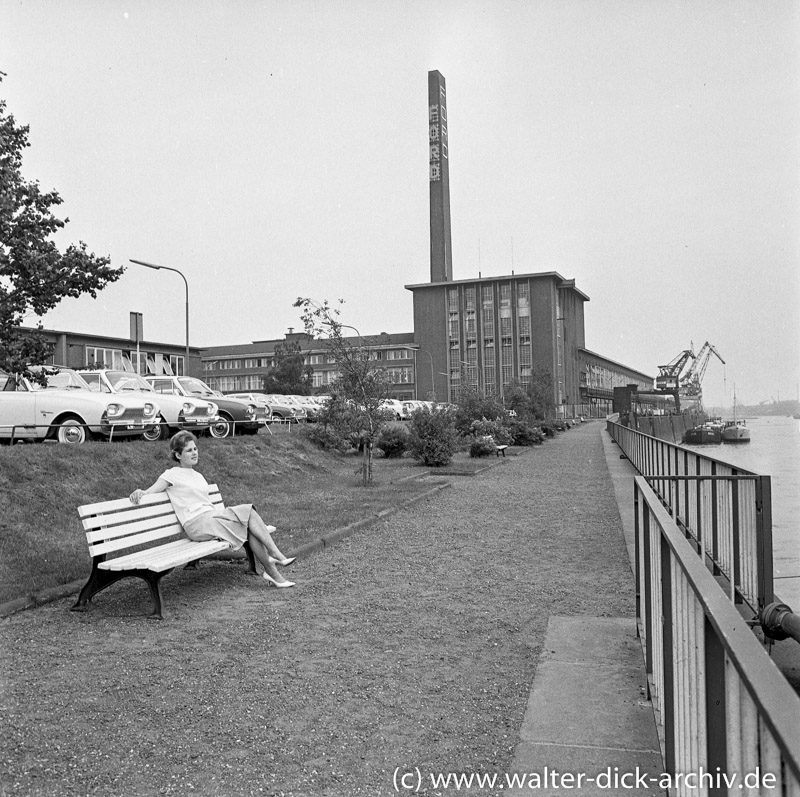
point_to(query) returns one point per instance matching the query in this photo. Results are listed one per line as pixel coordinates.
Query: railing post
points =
(714, 521)
(699, 510)
(715, 708)
(648, 601)
(736, 577)
(636, 552)
(763, 487)
(668, 698)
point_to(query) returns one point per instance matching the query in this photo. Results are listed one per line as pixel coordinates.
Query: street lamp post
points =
(416, 383)
(186, 285)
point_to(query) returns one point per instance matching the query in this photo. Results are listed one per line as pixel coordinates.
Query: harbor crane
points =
(691, 381)
(668, 379)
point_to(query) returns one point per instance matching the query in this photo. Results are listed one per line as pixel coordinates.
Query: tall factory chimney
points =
(439, 176)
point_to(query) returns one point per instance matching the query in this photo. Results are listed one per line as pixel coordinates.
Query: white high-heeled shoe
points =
(283, 562)
(273, 583)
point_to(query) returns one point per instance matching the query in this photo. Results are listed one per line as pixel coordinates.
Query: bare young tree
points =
(360, 383)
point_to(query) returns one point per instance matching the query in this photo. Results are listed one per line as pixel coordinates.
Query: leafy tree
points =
(289, 376)
(361, 386)
(472, 406)
(34, 275)
(540, 394)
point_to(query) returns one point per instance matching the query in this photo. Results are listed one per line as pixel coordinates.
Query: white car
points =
(176, 412)
(395, 406)
(67, 410)
(410, 407)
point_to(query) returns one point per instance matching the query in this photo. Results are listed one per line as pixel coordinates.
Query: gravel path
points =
(412, 643)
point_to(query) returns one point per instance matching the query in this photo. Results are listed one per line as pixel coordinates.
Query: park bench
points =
(142, 540)
(498, 449)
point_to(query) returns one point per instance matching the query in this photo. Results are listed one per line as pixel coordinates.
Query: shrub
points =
(473, 407)
(327, 438)
(432, 439)
(548, 429)
(482, 447)
(496, 429)
(393, 441)
(524, 435)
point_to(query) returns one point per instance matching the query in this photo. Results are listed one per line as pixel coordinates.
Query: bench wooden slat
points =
(131, 512)
(122, 543)
(129, 529)
(124, 503)
(101, 529)
(165, 557)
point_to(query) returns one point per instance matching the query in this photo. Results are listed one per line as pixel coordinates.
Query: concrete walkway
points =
(588, 715)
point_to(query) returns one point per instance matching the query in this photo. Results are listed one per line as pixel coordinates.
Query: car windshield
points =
(60, 379)
(122, 381)
(196, 387)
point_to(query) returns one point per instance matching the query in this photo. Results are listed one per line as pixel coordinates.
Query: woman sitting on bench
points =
(201, 520)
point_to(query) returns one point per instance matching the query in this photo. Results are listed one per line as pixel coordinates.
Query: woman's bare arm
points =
(159, 487)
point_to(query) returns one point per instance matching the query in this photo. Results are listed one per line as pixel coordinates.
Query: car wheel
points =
(223, 427)
(72, 431)
(158, 431)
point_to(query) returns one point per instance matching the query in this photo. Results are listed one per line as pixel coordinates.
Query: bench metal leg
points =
(100, 579)
(251, 559)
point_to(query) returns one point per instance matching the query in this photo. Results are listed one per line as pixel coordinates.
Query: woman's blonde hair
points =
(178, 442)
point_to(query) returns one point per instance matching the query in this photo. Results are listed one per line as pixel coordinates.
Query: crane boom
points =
(691, 382)
(669, 374)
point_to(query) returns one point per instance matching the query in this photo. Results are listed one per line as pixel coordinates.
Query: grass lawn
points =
(301, 490)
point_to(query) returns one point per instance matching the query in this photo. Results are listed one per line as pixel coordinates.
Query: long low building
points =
(81, 349)
(411, 369)
(242, 367)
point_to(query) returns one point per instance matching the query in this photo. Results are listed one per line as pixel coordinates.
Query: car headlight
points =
(149, 409)
(251, 411)
(213, 409)
(115, 410)
(187, 407)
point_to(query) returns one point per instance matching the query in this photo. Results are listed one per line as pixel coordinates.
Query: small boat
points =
(700, 435)
(735, 432)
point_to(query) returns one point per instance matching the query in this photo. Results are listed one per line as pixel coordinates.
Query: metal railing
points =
(14, 437)
(725, 511)
(725, 710)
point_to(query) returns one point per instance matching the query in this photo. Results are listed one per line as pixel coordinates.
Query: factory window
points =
(452, 299)
(469, 298)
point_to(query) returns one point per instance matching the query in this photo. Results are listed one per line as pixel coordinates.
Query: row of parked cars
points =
(404, 409)
(70, 406)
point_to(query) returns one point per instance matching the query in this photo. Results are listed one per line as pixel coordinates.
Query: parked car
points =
(410, 407)
(233, 415)
(306, 404)
(67, 410)
(176, 412)
(395, 406)
(283, 409)
(259, 399)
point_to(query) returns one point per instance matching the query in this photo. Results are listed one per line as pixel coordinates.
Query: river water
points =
(774, 450)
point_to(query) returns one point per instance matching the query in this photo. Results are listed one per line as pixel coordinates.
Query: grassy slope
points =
(297, 488)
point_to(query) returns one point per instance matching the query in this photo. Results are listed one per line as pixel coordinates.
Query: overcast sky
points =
(648, 149)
